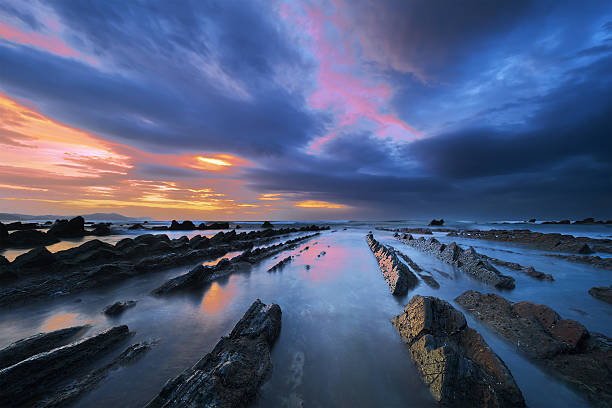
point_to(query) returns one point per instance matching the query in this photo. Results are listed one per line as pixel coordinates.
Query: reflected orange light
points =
(218, 297)
(59, 321)
(211, 160)
(318, 204)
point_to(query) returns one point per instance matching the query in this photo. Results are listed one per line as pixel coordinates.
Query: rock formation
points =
(564, 346)
(602, 293)
(118, 307)
(438, 223)
(527, 270)
(231, 374)
(469, 261)
(396, 273)
(454, 361)
(280, 264)
(68, 228)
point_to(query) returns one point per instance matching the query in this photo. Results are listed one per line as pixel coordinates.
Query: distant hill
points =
(88, 217)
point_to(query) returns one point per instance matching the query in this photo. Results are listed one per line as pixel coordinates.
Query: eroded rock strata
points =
(527, 270)
(593, 260)
(564, 346)
(231, 374)
(544, 241)
(40, 274)
(118, 308)
(26, 381)
(281, 264)
(453, 359)
(201, 275)
(396, 273)
(426, 276)
(469, 261)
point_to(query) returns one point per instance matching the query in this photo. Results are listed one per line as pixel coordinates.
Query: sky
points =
(310, 110)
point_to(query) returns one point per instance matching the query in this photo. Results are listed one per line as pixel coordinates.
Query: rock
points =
(38, 343)
(398, 276)
(30, 238)
(585, 221)
(602, 293)
(454, 361)
(267, 224)
(4, 235)
(565, 346)
(18, 226)
(101, 230)
(435, 222)
(68, 229)
(118, 307)
(28, 380)
(36, 258)
(231, 374)
(214, 225)
(469, 261)
(427, 277)
(281, 264)
(596, 261)
(183, 226)
(532, 220)
(527, 270)
(135, 226)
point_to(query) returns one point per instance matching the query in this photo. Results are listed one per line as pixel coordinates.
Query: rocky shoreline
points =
(398, 276)
(564, 346)
(527, 270)
(453, 359)
(469, 261)
(231, 374)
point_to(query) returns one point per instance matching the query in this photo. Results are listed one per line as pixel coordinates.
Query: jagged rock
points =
(182, 226)
(119, 307)
(602, 293)
(214, 225)
(36, 258)
(68, 229)
(28, 380)
(267, 224)
(528, 270)
(427, 277)
(565, 346)
(437, 223)
(4, 235)
(548, 242)
(280, 264)
(101, 230)
(17, 226)
(30, 238)
(38, 343)
(398, 276)
(469, 261)
(596, 261)
(231, 374)
(453, 359)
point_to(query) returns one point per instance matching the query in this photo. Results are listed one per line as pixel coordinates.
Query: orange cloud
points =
(318, 204)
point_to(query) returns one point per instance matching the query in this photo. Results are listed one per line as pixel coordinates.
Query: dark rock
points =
(182, 226)
(118, 307)
(280, 264)
(585, 221)
(267, 224)
(30, 238)
(528, 270)
(68, 229)
(19, 226)
(435, 222)
(453, 359)
(427, 277)
(398, 276)
(231, 374)
(38, 343)
(36, 258)
(596, 261)
(4, 235)
(602, 293)
(469, 261)
(28, 380)
(214, 225)
(135, 226)
(101, 230)
(573, 354)
(532, 220)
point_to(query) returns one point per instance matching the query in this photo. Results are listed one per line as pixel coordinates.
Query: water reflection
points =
(218, 297)
(60, 321)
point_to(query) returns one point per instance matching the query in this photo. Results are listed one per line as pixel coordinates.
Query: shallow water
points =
(337, 346)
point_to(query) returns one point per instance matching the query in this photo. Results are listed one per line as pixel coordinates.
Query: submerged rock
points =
(68, 228)
(231, 374)
(398, 276)
(527, 270)
(602, 293)
(28, 380)
(280, 264)
(565, 346)
(469, 261)
(596, 261)
(38, 343)
(118, 307)
(453, 359)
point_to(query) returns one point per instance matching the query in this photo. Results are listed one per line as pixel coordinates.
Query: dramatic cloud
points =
(307, 109)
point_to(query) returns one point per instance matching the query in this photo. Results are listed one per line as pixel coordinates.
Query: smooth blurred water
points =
(337, 346)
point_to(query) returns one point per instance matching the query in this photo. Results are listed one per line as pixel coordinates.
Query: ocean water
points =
(337, 346)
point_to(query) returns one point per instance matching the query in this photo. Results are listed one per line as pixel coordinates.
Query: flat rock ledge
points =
(453, 359)
(26, 381)
(527, 270)
(396, 273)
(469, 261)
(602, 293)
(231, 374)
(563, 346)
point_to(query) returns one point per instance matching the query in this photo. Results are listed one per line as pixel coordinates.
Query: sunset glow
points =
(216, 162)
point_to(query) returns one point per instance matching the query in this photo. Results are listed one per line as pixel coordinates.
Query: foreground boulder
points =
(3, 235)
(602, 293)
(28, 380)
(231, 374)
(564, 346)
(469, 261)
(396, 273)
(30, 238)
(68, 229)
(38, 343)
(453, 359)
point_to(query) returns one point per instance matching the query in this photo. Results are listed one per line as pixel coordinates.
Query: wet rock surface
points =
(118, 308)
(469, 261)
(231, 374)
(201, 275)
(602, 293)
(426, 276)
(547, 242)
(39, 274)
(30, 379)
(281, 264)
(397, 274)
(68, 228)
(595, 261)
(527, 270)
(29, 238)
(564, 346)
(38, 343)
(454, 361)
